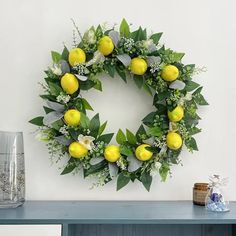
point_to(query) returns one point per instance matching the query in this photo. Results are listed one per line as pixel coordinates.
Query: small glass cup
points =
(12, 169)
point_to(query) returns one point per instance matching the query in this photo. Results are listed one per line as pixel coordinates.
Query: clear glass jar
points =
(12, 169)
(216, 200)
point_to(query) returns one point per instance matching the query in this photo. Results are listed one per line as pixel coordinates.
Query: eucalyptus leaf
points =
(113, 170)
(153, 60)
(97, 58)
(149, 141)
(177, 84)
(81, 77)
(96, 160)
(125, 59)
(152, 48)
(52, 117)
(114, 36)
(134, 163)
(65, 68)
(56, 106)
(63, 140)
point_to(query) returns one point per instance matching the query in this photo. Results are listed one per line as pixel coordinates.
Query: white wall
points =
(204, 29)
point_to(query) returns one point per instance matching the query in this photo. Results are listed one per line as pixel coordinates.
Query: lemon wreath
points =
(156, 145)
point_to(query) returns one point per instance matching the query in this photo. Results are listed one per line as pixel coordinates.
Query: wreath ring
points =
(156, 145)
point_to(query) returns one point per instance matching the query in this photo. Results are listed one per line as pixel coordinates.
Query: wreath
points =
(158, 142)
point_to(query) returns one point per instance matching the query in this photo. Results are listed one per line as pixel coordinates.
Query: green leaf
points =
(56, 57)
(155, 131)
(124, 29)
(127, 151)
(138, 79)
(70, 166)
(177, 56)
(65, 54)
(48, 97)
(94, 125)
(86, 85)
(87, 106)
(200, 100)
(99, 31)
(139, 35)
(120, 137)
(163, 171)
(95, 168)
(147, 89)
(131, 137)
(194, 130)
(148, 120)
(191, 144)
(102, 128)
(110, 69)
(57, 125)
(84, 121)
(47, 109)
(122, 181)
(121, 73)
(106, 138)
(141, 131)
(156, 37)
(98, 85)
(54, 89)
(191, 85)
(190, 68)
(146, 180)
(37, 121)
(74, 134)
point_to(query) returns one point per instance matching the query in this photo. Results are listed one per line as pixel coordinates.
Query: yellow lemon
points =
(177, 114)
(105, 45)
(170, 73)
(142, 153)
(174, 140)
(112, 153)
(77, 150)
(69, 83)
(77, 56)
(138, 66)
(72, 117)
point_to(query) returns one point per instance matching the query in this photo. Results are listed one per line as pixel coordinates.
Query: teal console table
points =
(117, 218)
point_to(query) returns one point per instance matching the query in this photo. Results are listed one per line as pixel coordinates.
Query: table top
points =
(114, 212)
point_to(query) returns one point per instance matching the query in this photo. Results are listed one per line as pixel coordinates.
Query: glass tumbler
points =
(12, 169)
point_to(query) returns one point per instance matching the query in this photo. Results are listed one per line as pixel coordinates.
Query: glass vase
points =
(12, 169)
(216, 199)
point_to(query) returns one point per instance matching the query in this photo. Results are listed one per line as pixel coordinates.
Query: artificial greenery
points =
(181, 92)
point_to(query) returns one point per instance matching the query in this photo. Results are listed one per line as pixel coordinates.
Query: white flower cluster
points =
(128, 43)
(80, 69)
(156, 165)
(64, 130)
(65, 98)
(154, 67)
(121, 163)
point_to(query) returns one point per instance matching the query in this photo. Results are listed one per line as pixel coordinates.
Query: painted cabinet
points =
(112, 218)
